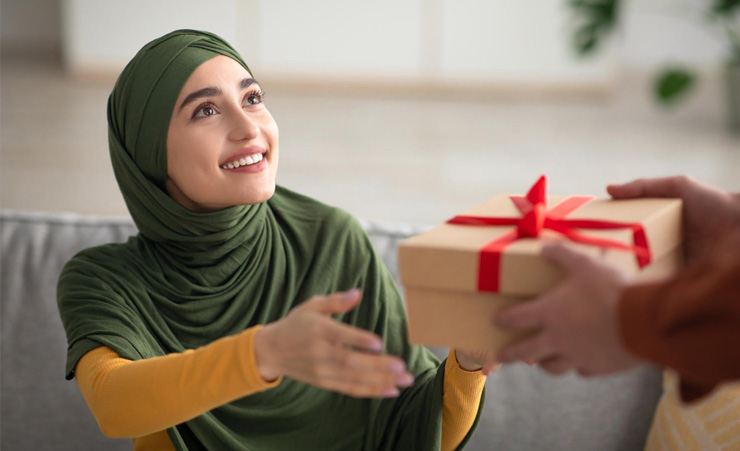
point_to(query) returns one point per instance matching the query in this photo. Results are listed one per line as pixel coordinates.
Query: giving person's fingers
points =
(527, 315)
(566, 258)
(531, 314)
(534, 348)
(650, 187)
(555, 365)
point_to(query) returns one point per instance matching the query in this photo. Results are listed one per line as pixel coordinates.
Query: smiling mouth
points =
(243, 161)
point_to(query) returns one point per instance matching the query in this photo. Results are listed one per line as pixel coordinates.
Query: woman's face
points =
(222, 143)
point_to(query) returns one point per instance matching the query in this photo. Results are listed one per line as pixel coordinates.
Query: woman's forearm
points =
(135, 398)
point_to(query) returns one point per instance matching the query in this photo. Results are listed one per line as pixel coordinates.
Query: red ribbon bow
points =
(536, 217)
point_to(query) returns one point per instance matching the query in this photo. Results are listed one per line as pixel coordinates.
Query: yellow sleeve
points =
(461, 399)
(132, 398)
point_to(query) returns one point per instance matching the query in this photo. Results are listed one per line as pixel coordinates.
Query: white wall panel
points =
(515, 40)
(519, 41)
(494, 40)
(658, 32)
(345, 36)
(105, 35)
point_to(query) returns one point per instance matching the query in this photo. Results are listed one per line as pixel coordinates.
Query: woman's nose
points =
(243, 127)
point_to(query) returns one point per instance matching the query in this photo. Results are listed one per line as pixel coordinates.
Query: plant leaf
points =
(602, 13)
(725, 6)
(594, 19)
(673, 84)
(585, 39)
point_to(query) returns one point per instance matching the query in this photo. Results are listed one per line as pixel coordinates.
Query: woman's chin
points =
(256, 196)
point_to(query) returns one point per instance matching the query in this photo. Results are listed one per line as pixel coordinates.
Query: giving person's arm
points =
(690, 323)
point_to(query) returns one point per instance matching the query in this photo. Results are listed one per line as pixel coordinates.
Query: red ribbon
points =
(535, 218)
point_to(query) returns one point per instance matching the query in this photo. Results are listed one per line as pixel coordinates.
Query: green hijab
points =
(189, 278)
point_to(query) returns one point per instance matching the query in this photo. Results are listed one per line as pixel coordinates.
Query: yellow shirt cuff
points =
(461, 400)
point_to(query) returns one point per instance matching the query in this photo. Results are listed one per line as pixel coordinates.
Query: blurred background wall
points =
(31, 27)
(399, 110)
(505, 39)
(383, 40)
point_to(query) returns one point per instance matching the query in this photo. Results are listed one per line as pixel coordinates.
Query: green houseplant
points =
(596, 19)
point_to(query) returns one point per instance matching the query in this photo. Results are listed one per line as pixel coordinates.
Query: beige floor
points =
(380, 157)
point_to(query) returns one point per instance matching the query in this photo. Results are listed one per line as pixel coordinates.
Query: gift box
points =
(458, 274)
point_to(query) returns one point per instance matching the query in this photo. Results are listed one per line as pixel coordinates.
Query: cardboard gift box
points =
(458, 274)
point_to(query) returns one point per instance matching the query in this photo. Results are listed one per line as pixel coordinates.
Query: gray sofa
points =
(525, 408)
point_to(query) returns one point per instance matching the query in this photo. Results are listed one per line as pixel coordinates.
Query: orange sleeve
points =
(132, 398)
(461, 399)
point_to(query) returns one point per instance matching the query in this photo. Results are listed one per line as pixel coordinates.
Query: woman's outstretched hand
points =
(310, 346)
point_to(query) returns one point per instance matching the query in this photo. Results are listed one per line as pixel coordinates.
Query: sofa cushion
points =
(40, 409)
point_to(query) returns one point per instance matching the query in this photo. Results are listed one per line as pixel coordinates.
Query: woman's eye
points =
(253, 99)
(205, 111)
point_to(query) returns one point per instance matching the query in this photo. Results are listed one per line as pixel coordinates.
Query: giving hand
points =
(576, 322)
(708, 213)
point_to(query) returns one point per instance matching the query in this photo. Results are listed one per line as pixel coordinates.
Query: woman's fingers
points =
(532, 349)
(359, 374)
(370, 369)
(362, 391)
(341, 302)
(350, 336)
(487, 369)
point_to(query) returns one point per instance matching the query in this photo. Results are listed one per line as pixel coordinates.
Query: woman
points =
(212, 328)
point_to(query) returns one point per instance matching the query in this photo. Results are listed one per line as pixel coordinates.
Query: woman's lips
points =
(243, 153)
(251, 159)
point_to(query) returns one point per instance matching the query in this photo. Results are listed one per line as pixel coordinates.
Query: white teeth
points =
(244, 161)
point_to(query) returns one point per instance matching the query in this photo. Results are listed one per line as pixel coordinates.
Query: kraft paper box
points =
(440, 268)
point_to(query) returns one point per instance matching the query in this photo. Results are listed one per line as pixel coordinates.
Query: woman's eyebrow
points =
(211, 91)
(247, 82)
